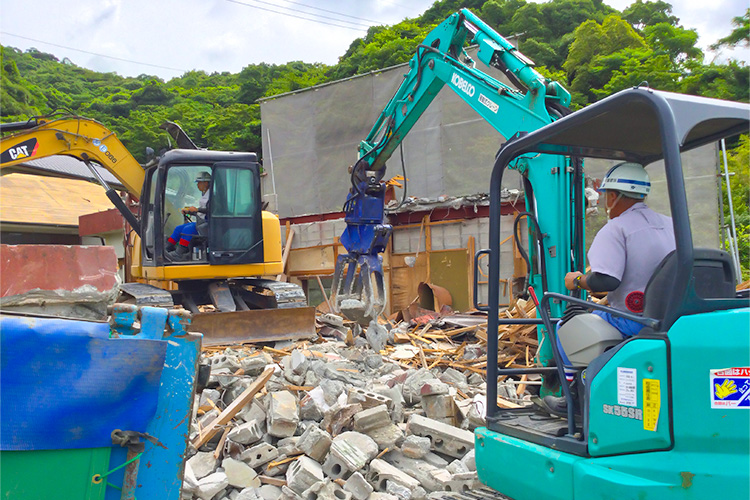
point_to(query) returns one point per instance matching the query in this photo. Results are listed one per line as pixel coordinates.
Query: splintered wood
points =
(432, 346)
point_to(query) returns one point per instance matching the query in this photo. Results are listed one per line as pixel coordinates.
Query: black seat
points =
(713, 278)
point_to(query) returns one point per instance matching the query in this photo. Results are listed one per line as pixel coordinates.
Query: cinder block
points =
(445, 438)
(439, 406)
(303, 473)
(350, 452)
(381, 472)
(372, 418)
(260, 454)
(247, 433)
(358, 486)
(326, 490)
(211, 485)
(314, 443)
(368, 399)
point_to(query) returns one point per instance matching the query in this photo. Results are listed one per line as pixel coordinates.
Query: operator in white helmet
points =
(627, 250)
(623, 256)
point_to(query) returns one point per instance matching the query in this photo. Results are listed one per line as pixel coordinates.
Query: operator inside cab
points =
(623, 257)
(177, 246)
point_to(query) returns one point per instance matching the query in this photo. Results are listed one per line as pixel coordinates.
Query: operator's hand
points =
(190, 210)
(570, 279)
(727, 388)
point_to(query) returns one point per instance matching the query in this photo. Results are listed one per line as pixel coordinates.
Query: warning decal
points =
(730, 388)
(651, 404)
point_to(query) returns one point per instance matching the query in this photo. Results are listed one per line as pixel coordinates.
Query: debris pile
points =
(338, 420)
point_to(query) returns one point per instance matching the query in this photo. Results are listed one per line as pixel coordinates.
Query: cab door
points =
(235, 230)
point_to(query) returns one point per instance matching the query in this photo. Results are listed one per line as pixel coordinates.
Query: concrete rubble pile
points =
(337, 420)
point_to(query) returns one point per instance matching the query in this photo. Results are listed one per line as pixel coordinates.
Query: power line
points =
(93, 53)
(362, 26)
(334, 12)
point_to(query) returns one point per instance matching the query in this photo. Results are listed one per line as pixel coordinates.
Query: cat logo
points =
(20, 151)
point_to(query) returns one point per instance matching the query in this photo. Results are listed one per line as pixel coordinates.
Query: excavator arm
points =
(533, 101)
(82, 138)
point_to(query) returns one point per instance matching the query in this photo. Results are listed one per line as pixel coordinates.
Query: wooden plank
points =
(323, 291)
(230, 411)
(287, 249)
(275, 481)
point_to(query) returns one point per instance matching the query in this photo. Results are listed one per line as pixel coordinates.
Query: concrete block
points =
(372, 418)
(389, 436)
(331, 390)
(247, 494)
(440, 407)
(433, 387)
(397, 490)
(59, 280)
(326, 490)
(282, 418)
(303, 473)
(435, 459)
(475, 379)
(445, 438)
(381, 472)
(416, 446)
(254, 411)
(368, 399)
(358, 486)
(189, 481)
(288, 494)
(202, 464)
(413, 385)
(349, 452)
(420, 470)
(220, 361)
(260, 454)
(315, 443)
(457, 467)
(469, 461)
(255, 363)
(270, 492)
(211, 485)
(239, 474)
(209, 395)
(247, 433)
(455, 378)
(382, 496)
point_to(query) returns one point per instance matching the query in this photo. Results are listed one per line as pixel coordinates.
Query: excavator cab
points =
(664, 414)
(232, 233)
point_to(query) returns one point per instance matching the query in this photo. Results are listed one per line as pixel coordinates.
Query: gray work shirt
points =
(203, 203)
(629, 247)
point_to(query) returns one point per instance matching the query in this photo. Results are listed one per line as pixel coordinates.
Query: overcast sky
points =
(168, 37)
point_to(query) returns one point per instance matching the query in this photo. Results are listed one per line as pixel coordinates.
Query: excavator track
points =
(285, 295)
(483, 493)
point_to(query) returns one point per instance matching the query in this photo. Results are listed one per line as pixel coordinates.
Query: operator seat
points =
(713, 278)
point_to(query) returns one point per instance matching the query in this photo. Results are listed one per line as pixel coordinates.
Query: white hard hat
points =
(628, 178)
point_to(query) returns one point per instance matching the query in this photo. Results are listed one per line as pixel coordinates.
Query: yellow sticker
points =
(651, 403)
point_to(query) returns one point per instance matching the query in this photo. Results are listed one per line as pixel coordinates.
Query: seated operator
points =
(624, 254)
(177, 243)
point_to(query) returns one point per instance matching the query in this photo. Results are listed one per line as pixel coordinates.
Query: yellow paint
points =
(651, 404)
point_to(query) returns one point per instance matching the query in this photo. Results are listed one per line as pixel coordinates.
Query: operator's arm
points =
(591, 281)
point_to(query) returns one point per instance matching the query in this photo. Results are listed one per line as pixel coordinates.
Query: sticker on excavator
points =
(730, 388)
(651, 404)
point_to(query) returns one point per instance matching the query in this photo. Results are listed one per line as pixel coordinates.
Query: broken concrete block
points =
(331, 390)
(303, 473)
(288, 494)
(440, 407)
(239, 474)
(397, 490)
(299, 362)
(189, 481)
(381, 472)
(247, 433)
(338, 417)
(418, 469)
(413, 385)
(455, 378)
(373, 361)
(220, 361)
(376, 335)
(445, 438)
(388, 436)
(326, 490)
(270, 492)
(209, 395)
(433, 387)
(372, 418)
(310, 409)
(434, 459)
(469, 461)
(202, 464)
(475, 379)
(457, 467)
(377, 495)
(349, 452)
(246, 494)
(358, 486)
(368, 399)
(211, 485)
(260, 454)
(282, 418)
(416, 446)
(314, 443)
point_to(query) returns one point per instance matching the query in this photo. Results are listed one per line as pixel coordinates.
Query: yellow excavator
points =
(224, 256)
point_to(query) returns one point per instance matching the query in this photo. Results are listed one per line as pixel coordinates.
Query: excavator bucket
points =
(256, 325)
(358, 285)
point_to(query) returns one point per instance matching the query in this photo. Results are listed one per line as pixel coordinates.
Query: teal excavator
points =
(663, 415)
